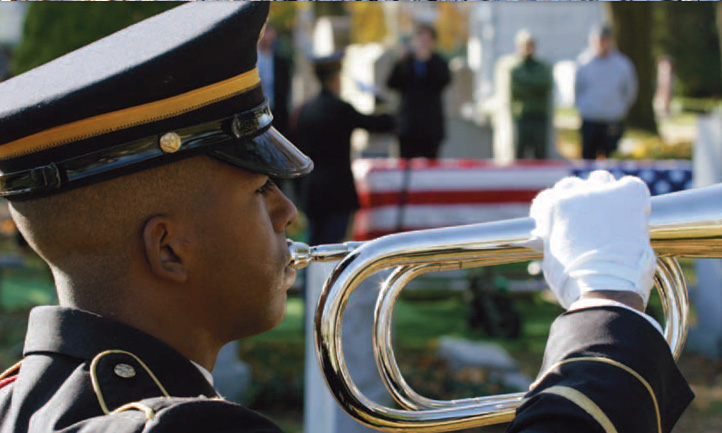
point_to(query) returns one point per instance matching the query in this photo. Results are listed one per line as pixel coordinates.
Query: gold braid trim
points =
(96, 385)
(617, 364)
(131, 117)
(147, 410)
(10, 371)
(584, 403)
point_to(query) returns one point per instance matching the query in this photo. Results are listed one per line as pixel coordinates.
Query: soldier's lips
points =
(289, 276)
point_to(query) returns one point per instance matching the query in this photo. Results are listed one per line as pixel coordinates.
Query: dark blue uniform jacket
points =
(605, 370)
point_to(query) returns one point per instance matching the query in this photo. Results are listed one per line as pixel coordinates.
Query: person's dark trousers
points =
(329, 228)
(531, 137)
(600, 136)
(414, 147)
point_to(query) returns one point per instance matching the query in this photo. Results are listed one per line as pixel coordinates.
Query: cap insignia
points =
(170, 142)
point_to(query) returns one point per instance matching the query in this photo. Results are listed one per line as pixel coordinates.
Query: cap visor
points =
(269, 153)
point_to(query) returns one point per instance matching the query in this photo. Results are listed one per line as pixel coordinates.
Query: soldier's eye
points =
(266, 187)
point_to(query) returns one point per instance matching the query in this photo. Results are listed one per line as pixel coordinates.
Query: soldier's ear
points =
(164, 249)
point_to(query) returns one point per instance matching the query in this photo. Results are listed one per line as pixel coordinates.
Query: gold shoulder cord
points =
(98, 393)
(149, 413)
(587, 404)
(10, 371)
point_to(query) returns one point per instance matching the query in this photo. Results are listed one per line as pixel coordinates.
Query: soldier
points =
(140, 169)
(324, 128)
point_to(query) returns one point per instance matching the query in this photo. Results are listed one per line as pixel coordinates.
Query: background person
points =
(323, 131)
(531, 105)
(275, 70)
(420, 76)
(605, 88)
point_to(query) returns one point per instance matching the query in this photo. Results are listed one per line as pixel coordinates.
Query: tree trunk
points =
(633, 33)
(718, 16)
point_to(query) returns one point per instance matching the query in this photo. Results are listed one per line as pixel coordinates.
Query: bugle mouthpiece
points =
(302, 255)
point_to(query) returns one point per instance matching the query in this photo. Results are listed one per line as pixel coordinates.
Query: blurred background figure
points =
(531, 108)
(604, 90)
(665, 87)
(275, 70)
(324, 130)
(420, 76)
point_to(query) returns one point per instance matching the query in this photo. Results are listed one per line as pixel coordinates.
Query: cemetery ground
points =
(677, 132)
(277, 358)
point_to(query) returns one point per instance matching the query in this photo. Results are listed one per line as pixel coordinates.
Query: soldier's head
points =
(140, 168)
(328, 71)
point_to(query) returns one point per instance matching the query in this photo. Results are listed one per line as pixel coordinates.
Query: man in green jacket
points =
(531, 86)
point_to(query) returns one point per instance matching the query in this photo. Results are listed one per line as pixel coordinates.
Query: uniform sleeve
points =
(369, 122)
(607, 370)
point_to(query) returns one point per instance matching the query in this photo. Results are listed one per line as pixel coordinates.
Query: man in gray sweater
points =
(604, 90)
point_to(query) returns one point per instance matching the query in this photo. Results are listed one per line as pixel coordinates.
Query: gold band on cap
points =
(133, 116)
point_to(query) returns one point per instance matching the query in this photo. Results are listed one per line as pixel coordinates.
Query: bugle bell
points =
(684, 224)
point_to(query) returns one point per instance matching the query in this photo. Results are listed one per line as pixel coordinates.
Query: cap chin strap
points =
(180, 143)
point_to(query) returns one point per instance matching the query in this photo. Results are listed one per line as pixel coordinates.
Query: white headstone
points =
(321, 413)
(706, 336)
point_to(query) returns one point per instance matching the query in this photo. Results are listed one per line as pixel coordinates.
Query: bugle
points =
(684, 224)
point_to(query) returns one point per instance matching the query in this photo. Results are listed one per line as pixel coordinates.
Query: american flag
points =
(401, 195)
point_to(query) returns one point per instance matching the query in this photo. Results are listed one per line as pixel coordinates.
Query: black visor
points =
(269, 153)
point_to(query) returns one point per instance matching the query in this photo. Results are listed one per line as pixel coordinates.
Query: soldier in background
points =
(323, 132)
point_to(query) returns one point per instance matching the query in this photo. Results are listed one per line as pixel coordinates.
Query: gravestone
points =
(460, 353)
(321, 413)
(706, 336)
(231, 376)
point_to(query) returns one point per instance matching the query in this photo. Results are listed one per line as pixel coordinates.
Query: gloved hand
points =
(595, 236)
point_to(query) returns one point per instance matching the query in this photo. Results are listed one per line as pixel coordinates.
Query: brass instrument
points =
(684, 224)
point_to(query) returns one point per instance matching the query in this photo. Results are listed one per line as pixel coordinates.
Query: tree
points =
(718, 18)
(633, 33)
(55, 28)
(686, 32)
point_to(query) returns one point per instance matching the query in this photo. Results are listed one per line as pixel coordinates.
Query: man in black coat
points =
(323, 132)
(420, 77)
(275, 70)
(140, 167)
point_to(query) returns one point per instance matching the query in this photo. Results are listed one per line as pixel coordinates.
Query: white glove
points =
(595, 236)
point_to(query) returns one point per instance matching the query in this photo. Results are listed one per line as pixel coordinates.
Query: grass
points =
(277, 357)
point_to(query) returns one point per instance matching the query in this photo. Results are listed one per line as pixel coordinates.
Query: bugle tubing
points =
(685, 224)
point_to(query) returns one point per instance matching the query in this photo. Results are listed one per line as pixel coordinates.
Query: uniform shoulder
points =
(174, 414)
